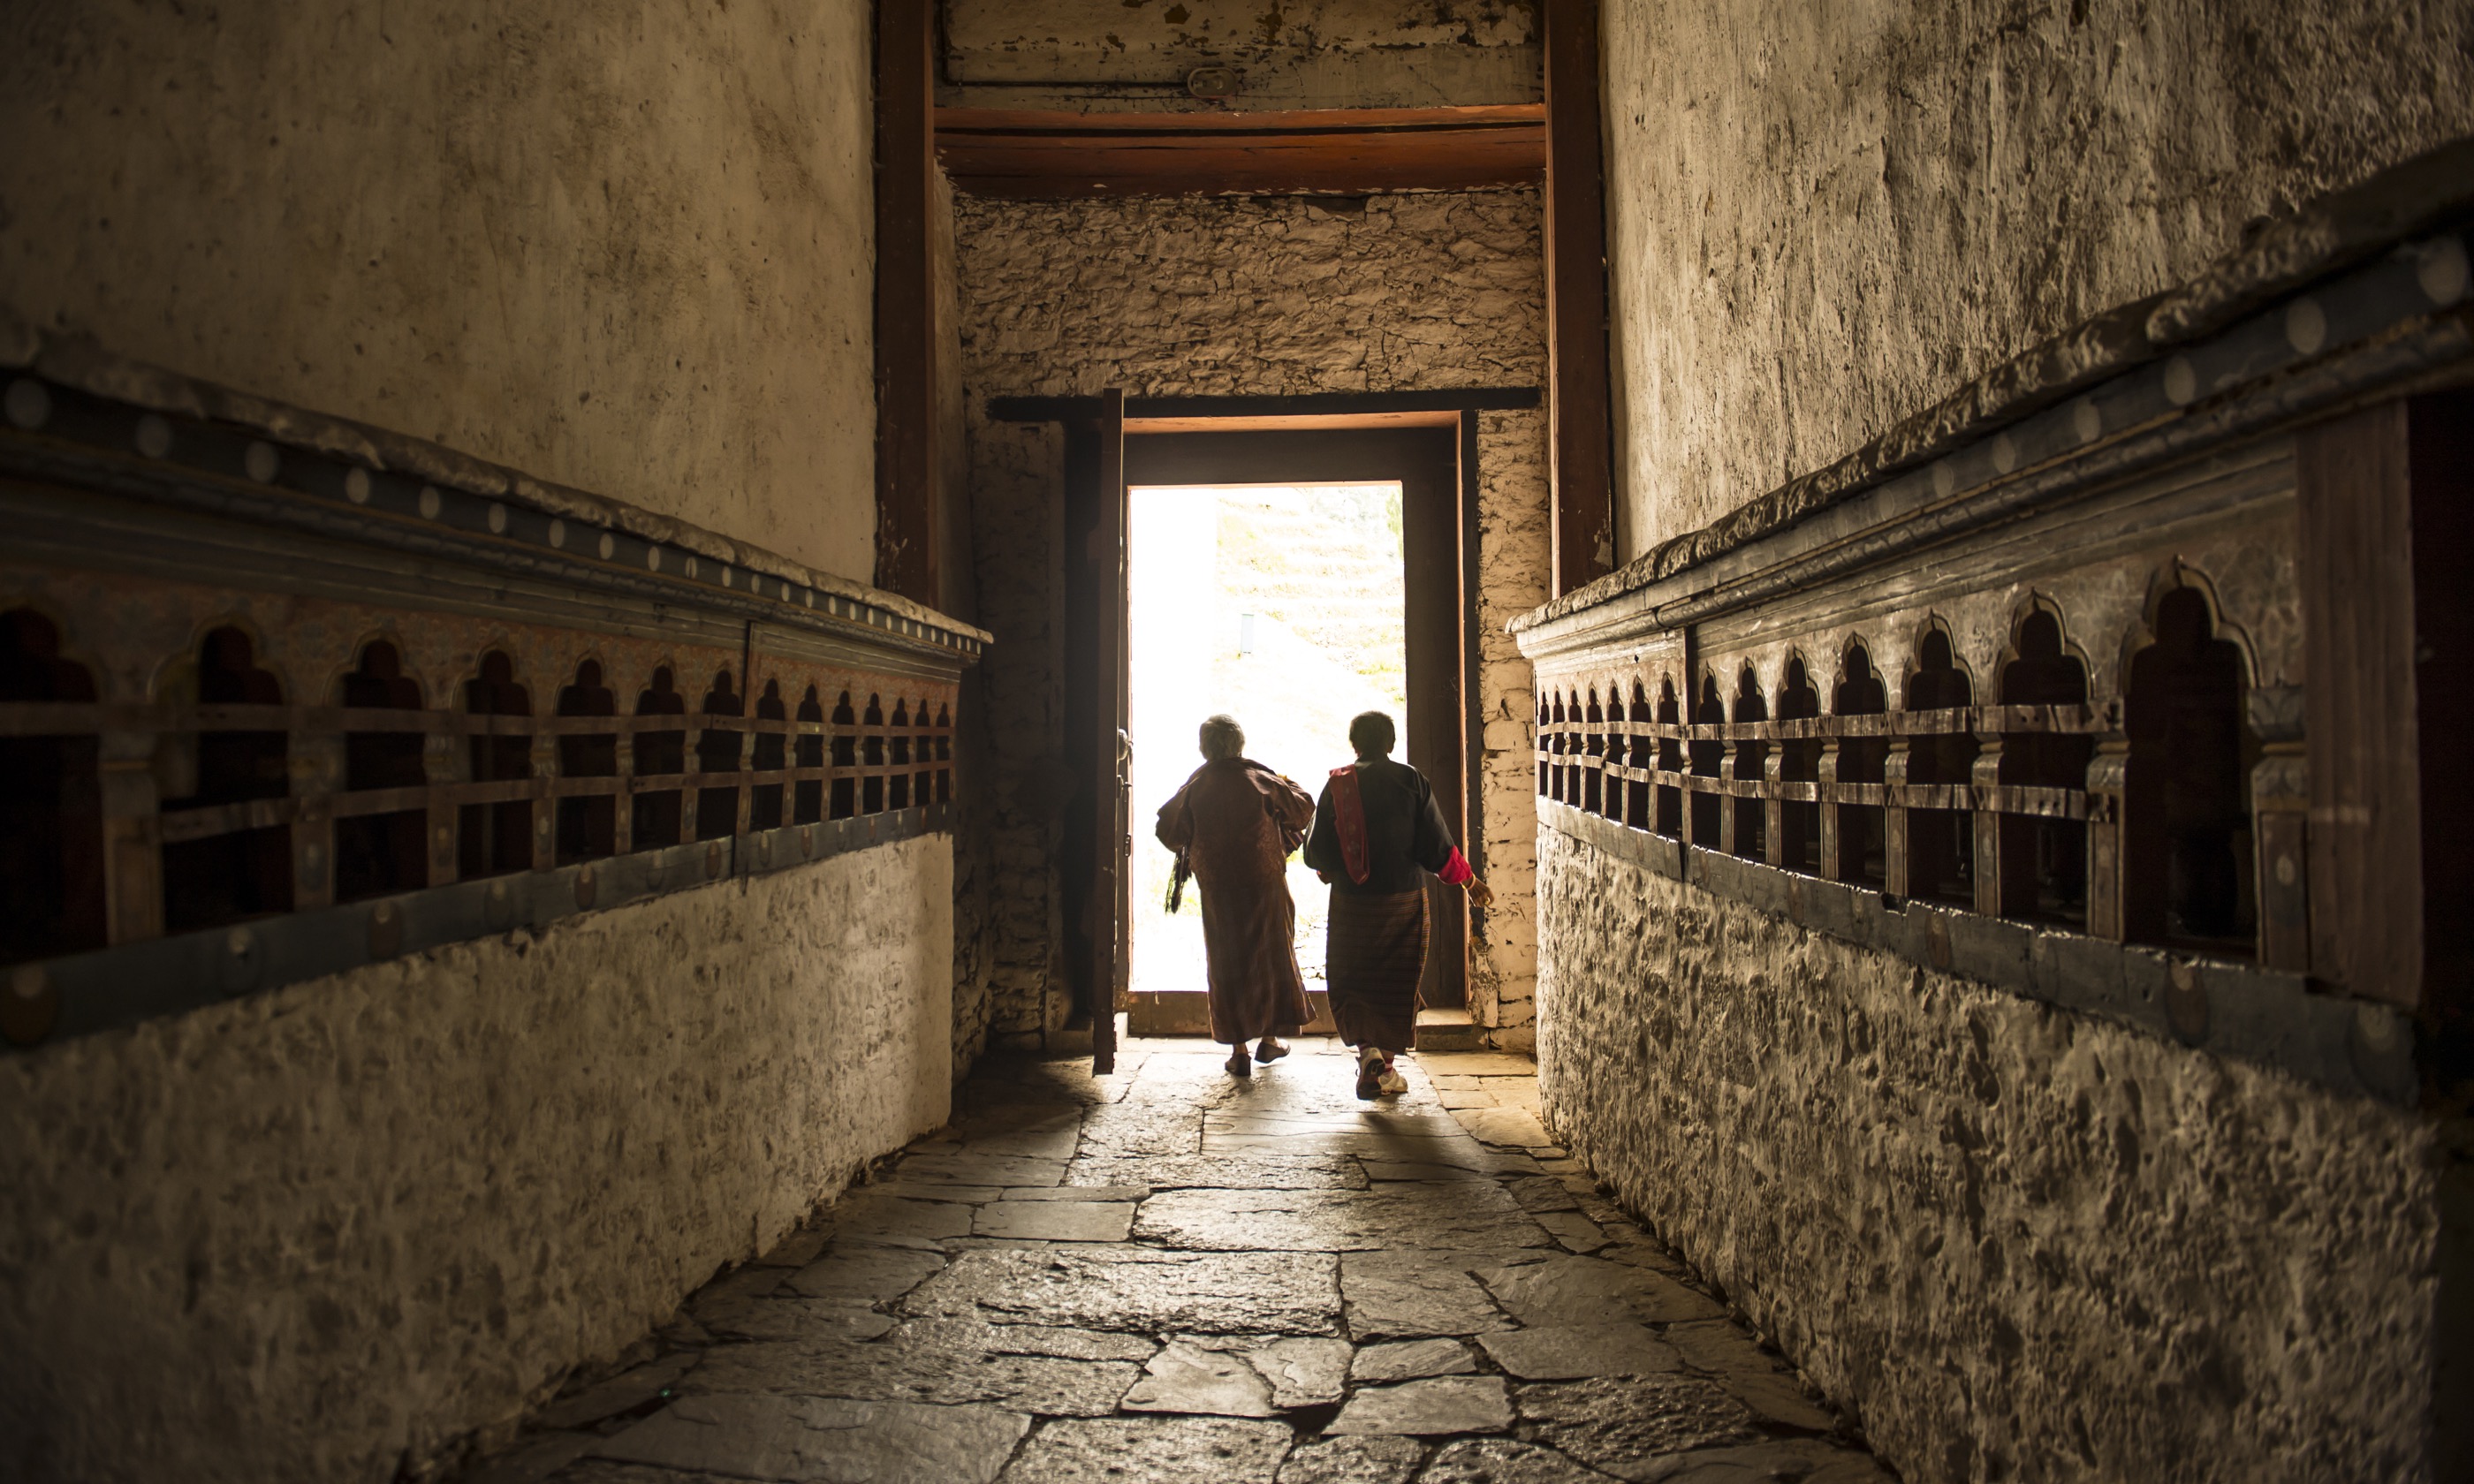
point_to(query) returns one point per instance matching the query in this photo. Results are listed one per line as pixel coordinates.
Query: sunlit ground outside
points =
(1279, 605)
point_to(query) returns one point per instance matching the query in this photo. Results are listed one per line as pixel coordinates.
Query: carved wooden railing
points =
(281, 696)
(2030, 697)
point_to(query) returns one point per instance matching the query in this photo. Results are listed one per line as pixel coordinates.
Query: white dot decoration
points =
(725, 576)
(429, 502)
(2005, 453)
(153, 436)
(2442, 270)
(609, 545)
(653, 557)
(2087, 420)
(29, 405)
(2182, 380)
(357, 486)
(692, 566)
(2306, 326)
(1944, 481)
(497, 518)
(262, 462)
(809, 597)
(557, 531)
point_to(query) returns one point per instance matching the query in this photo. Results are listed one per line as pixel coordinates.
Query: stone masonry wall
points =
(1513, 519)
(621, 248)
(1823, 219)
(322, 1233)
(2018, 1243)
(1281, 296)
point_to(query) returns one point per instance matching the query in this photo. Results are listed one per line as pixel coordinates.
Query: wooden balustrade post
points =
(2108, 786)
(1896, 862)
(317, 768)
(1834, 834)
(445, 758)
(544, 759)
(1774, 840)
(748, 787)
(2006, 844)
(622, 801)
(132, 851)
(2280, 802)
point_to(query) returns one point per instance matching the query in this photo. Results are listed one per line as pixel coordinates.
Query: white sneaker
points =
(1391, 1082)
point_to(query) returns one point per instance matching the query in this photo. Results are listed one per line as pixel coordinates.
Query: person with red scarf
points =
(1377, 835)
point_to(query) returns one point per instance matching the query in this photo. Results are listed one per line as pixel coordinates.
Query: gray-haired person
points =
(1234, 823)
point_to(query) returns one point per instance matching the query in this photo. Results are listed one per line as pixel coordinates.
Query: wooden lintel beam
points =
(907, 537)
(1581, 445)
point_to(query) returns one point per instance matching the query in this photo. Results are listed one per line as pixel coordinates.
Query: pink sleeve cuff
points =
(1456, 871)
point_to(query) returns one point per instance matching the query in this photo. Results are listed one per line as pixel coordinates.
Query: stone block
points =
(1141, 1290)
(1373, 1459)
(1186, 1378)
(1408, 1360)
(1436, 1407)
(1171, 1450)
(1570, 1351)
(1623, 1425)
(830, 1442)
(1055, 1221)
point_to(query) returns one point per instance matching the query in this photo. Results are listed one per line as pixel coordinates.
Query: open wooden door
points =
(1112, 836)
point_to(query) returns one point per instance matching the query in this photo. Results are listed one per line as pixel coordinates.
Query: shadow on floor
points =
(1171, 1275)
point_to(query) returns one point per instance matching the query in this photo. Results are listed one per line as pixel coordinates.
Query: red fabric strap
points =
(1456, 870)
(1349, 817)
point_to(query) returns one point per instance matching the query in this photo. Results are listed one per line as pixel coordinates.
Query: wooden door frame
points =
(1437, 560)
(1080, 419)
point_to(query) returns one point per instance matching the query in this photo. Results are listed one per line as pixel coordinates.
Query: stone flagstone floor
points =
(1169, 1275)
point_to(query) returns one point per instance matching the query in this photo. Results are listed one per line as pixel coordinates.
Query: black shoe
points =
(1238, 1063)
(1270, 1049)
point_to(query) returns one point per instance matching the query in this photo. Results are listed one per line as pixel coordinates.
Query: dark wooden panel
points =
(1581, 443)
(906, 304)
(1112, 914)
(1045, 155)
(2440, 457)
(2356, 561)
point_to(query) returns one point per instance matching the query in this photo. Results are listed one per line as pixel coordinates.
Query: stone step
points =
(1449, 1030)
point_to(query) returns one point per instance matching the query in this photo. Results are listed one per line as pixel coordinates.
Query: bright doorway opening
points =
(1279, 605)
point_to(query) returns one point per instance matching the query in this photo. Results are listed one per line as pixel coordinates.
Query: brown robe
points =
(1236, 822)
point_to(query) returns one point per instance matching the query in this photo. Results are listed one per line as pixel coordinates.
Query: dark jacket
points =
(1405, 833)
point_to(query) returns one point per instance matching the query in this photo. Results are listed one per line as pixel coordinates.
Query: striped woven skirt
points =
(1374, 957)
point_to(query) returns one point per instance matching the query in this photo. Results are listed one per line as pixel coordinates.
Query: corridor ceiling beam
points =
(1029, 155)
(906, 500)
(1580, 442)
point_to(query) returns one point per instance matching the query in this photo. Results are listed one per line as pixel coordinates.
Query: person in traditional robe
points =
(1234, 823)
(1377, 835)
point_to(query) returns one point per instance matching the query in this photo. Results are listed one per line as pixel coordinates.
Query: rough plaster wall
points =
(316, 1234)
(2019, 1243)
(1219, 295)
(1824, 219)
(624, 249)
(1512, 579)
